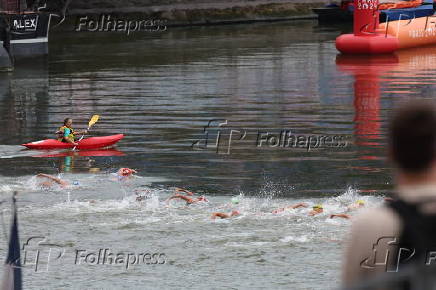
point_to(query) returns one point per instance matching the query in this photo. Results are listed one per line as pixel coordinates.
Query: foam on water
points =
(99, 206)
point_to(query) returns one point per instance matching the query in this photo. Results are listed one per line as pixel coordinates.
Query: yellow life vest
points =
(61, 135)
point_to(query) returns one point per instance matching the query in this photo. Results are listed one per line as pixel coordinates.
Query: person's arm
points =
(185, 198)
(55, 179)
(315, 212)
(84, 132)
(340, 215)
(184, 190)
(220, 215)
(172, 197)
(298, 205)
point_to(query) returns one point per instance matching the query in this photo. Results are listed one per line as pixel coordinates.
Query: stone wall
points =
(197, 12)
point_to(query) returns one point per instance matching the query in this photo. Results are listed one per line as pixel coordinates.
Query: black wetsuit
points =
(417, 237)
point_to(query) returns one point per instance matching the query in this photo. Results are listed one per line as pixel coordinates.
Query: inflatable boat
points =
(344, 13)
(371, 37)
(85, 144)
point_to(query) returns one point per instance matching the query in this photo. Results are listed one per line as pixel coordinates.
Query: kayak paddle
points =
(93, 120)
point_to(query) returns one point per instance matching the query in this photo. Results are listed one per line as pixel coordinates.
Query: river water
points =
(215, 110)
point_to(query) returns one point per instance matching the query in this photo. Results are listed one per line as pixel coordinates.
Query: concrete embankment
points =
(199, 12)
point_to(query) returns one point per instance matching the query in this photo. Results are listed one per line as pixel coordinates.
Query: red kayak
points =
(88, 143)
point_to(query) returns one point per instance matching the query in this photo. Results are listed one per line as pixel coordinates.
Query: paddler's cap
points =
(360, 202)
(235, 200)
(318, 206)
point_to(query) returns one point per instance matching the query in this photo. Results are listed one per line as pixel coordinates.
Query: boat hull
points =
(29, 33)
(85, 144)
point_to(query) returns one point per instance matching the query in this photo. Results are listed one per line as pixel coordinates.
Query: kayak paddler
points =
(67, 134)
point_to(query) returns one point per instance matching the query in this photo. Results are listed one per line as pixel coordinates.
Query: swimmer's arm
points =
(55, 179)
(340, 215)
(185, 198)
(178, 189)
(314, 212)
(298, 205)
(172, 197)
(220, 215)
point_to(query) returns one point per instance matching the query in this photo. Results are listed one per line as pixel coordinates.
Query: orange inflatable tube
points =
(371, 37)
(400, 5)
(411, 33)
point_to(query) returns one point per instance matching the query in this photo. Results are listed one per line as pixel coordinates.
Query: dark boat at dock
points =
(28, 25)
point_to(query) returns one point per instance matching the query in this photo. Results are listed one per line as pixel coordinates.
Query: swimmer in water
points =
(178, 189)
(188, 200)
(298, 205)
(125, 173)
(222, 215)
(317, 209)
(51, 180)
(358, 204)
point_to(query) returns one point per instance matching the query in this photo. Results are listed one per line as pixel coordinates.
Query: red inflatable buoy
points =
(365, 38)
(374, 44)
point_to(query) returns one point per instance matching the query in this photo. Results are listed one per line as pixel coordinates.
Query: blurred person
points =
(405, 221)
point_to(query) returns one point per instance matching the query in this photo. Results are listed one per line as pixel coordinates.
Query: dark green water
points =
(161, 90)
